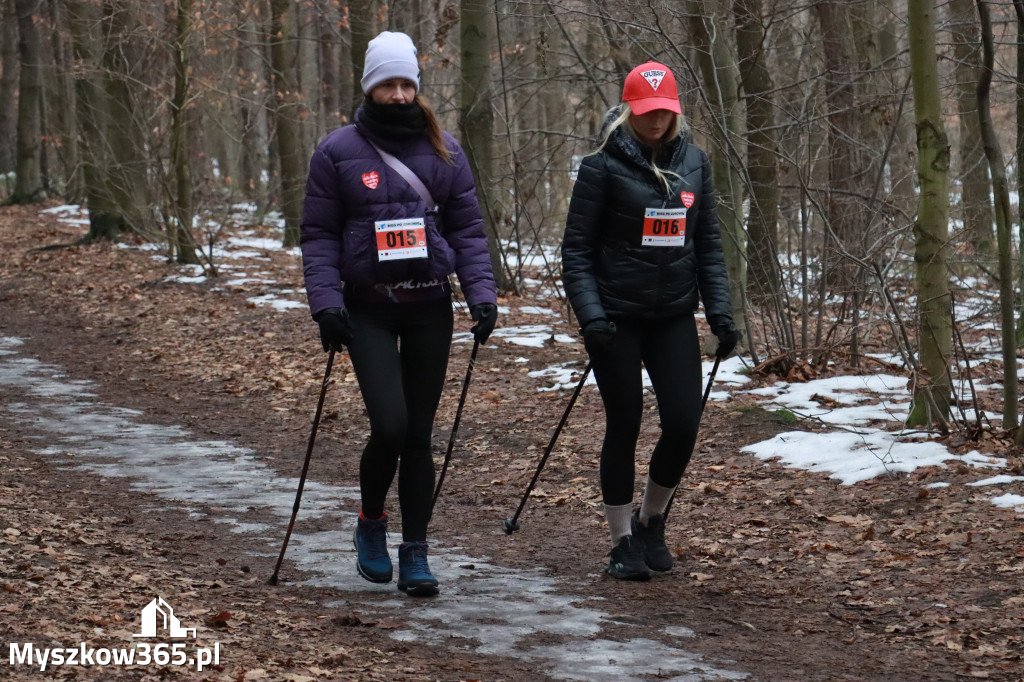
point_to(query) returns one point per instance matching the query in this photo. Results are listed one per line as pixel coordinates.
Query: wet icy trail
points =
(483, 607)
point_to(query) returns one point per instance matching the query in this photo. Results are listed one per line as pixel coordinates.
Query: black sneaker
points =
(656, 552)
(627, 560)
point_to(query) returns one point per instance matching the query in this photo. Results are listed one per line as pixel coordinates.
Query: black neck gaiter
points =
(391, 121)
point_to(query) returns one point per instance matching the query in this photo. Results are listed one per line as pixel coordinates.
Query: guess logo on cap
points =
(654, 77)
(687, 198)
(371, 179)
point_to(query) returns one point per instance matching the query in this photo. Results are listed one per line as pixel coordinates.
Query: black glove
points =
(335, 328)
(598, 335)
(485, 315)
(728, 336)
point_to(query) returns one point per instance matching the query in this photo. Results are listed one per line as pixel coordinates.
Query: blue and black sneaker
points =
(371, 541)
(414, 576)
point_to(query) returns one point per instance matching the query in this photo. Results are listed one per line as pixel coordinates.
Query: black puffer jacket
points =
(607, 271)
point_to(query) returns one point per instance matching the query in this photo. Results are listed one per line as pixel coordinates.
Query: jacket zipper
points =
(661, 266)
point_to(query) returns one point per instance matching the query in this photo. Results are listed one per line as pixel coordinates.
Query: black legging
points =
(670, 350)
(401, 387)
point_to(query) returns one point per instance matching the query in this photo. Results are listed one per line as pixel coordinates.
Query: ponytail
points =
(434, 133)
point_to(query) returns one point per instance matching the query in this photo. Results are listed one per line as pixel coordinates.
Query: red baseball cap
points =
(651, 86)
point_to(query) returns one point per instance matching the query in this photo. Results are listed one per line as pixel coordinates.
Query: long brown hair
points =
(434, 132)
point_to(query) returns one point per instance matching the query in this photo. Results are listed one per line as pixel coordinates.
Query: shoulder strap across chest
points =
(407, 174)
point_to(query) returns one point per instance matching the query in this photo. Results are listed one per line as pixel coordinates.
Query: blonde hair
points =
(621, 120)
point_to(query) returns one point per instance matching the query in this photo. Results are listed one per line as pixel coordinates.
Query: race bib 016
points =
(664, 227)
(398, 239)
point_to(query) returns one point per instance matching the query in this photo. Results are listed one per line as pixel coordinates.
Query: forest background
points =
(864, 151)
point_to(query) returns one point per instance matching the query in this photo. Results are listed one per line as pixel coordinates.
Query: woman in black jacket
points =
(641, 248)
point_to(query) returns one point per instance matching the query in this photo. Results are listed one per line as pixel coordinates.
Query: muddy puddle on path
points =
(483, 608)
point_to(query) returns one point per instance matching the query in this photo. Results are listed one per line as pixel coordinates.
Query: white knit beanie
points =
(390, 55)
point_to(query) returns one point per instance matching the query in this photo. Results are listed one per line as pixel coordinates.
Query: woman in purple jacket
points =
(376, 257)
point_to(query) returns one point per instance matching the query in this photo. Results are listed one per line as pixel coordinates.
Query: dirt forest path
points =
(151, 432)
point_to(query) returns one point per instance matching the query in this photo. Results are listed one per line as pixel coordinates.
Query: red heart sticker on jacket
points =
(371, 179)
(687, 197)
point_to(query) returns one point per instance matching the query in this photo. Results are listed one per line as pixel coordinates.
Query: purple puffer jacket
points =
(349, 187)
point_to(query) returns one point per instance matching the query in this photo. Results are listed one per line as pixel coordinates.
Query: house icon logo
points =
(159, 614)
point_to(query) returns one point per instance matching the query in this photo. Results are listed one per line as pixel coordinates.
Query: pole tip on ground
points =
(510, 526)
(272, 580)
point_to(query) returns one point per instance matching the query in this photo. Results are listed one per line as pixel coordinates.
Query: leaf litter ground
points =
(781, 573)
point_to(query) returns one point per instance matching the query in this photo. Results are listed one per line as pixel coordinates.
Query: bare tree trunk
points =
(1003, 223)
(975, 204)
(8, 87)
(308, 82)
(402, 17)
(179, 231)
(558, 148)
(254, 148)
(127, 176)
(478, 41)
(1018, 6)
(216, 144)
(901, 159)
(284, 50)
(361, 21)
(330, 68)
(65, 106)
(870, 97)
(846, 213)
(763, 277)
(347, 96)
(851, 131)
(721, 83)
(105, 218)
(28, 186)
(523, 161)
(932, 390)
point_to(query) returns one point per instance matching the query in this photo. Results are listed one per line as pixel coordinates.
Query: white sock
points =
(618, 520)
(655, 500)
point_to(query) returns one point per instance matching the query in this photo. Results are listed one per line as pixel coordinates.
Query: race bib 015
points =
(398, 239)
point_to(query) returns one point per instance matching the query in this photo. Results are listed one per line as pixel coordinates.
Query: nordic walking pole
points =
(707, 392)
(511, 525)
(455, 426)
(305, 465)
